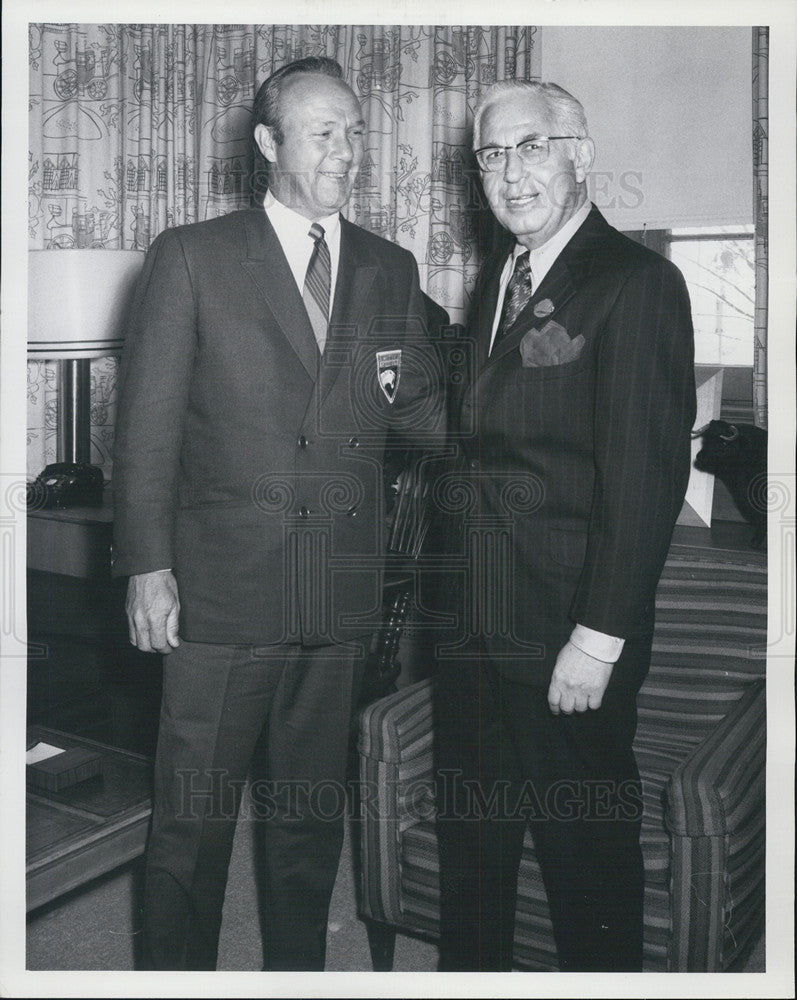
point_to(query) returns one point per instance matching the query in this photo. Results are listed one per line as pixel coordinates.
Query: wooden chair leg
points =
(382, 942)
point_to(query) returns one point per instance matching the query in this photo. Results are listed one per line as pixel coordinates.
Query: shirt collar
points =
(541, 258)
(289, 223)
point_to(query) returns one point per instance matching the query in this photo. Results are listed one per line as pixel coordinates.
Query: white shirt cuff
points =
(598, 644)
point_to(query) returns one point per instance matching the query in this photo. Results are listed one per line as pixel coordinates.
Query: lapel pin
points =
(543, 308)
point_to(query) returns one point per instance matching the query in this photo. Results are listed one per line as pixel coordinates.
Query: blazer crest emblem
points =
(388, 371)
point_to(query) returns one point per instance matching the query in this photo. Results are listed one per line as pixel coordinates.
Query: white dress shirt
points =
(541, 260)
(293, 231)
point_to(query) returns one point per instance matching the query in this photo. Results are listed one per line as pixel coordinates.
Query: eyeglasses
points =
(533, 149)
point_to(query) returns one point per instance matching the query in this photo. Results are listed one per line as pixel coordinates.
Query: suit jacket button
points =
(304, 512)
(302, 441)
(354, 442)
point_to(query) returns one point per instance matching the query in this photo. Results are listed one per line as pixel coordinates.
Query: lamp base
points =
(66, 484)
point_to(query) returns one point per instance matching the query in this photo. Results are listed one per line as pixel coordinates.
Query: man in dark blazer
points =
(265, 362)
(574, 435)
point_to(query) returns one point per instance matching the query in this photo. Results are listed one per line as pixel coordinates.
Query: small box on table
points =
(61, 770)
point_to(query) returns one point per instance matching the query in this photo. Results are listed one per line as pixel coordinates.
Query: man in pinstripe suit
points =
(574, 439)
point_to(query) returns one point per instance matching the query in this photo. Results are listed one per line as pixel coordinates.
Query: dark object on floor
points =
(737, 455)
(66, 484)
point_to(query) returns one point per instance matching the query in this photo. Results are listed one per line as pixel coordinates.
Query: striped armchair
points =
(700, 746)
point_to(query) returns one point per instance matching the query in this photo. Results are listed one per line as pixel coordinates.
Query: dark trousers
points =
(220, 703)
(505, 762)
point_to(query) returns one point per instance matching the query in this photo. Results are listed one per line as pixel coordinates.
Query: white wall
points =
(670, 112)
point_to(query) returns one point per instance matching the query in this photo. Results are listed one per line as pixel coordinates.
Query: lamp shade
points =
(78, 301)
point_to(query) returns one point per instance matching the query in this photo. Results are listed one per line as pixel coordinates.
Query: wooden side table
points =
(82, 832)
(72, 542)
(83, 674)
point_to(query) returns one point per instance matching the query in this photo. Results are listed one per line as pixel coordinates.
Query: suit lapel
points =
(564, 279)
(355, 277)
(352, 291)
(266, 264)
(557, 286)
(486, 305)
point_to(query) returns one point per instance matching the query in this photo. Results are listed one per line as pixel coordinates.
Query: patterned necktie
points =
(316, 286)
(518, 293)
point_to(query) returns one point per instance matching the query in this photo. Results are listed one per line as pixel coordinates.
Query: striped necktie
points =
(518, 293)
(316, 285)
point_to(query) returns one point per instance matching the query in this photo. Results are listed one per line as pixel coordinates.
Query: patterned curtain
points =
(761, 217)
(134, 128)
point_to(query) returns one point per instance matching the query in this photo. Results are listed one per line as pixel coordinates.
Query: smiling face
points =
(313, 170)
(533, 201)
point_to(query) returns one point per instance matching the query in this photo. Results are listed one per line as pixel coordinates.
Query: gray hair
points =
(567, 113)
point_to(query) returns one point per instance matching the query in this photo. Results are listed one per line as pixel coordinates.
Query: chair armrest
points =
(714, 810)
(396, 791)
(721, 782)
(396, 760)
(398, 727)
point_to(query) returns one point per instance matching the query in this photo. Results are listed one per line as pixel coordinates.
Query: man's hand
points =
(153, 609)
(578, 681)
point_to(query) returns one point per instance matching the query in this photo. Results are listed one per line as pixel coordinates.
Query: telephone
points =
(66, 484)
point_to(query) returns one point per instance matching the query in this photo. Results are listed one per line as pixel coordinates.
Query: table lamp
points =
(78, 302)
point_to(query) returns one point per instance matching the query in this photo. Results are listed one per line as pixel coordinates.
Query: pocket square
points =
(549, 346)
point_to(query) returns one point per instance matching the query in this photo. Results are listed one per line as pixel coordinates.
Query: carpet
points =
(98, 927)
